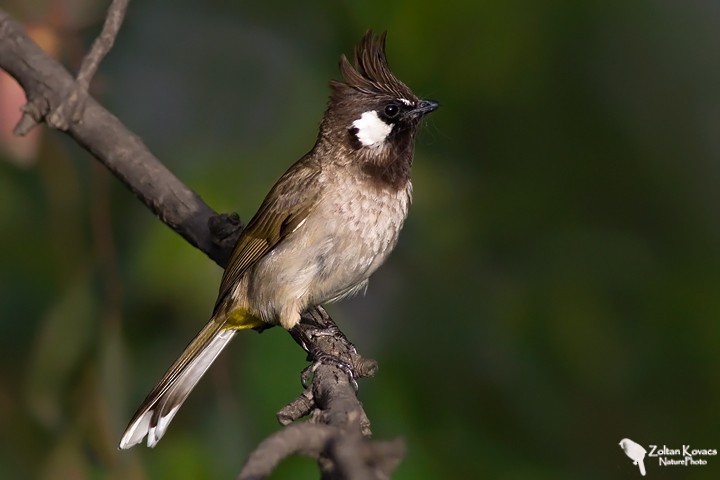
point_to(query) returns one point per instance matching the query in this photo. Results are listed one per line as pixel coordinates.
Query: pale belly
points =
(345, 239)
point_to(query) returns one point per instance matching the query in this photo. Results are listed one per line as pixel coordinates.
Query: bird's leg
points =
(320, 357)
(325, 344)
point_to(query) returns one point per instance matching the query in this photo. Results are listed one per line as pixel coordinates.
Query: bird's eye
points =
(391, 110)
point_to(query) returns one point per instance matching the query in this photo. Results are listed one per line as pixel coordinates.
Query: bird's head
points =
(371, 112)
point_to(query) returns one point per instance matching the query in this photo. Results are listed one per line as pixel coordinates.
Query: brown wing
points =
(286, 206)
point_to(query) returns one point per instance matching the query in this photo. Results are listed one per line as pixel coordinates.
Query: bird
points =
(635, 452)
(324, 227)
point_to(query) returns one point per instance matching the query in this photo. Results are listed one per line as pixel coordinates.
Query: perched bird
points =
(327, 224)
(635, 452)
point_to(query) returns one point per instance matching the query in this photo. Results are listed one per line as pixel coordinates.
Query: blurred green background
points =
(556, 287)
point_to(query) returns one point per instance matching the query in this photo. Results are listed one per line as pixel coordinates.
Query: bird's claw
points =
(325, 359)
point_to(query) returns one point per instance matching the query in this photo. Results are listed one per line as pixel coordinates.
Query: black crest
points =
(371, 73)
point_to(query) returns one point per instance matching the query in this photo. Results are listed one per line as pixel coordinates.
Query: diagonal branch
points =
(47, 84)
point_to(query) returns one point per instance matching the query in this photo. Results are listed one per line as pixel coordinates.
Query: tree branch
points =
(331, 400)
(303, 438)
(47, 84)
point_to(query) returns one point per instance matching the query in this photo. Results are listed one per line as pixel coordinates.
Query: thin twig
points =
(104, 42)
(70, 111)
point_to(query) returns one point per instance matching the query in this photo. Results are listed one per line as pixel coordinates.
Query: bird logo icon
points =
(635, 452)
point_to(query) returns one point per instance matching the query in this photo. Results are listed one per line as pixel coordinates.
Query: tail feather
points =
(161, 405)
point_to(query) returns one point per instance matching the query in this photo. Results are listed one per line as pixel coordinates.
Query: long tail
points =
(161, 405)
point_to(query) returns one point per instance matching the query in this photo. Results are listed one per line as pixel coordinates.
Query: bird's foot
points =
(325, 344)
(327, 359)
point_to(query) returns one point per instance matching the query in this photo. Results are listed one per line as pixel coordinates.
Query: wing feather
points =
(284, 209)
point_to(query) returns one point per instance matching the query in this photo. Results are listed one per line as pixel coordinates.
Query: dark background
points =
(556, 287)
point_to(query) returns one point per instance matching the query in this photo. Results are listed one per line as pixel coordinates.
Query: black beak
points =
(424, 107)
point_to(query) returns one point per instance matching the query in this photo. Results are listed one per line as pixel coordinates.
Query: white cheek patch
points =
(371, 129)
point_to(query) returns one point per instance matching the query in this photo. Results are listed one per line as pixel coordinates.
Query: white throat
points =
(371, 129)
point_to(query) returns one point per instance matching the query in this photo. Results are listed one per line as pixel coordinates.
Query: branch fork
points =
(72, 107)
